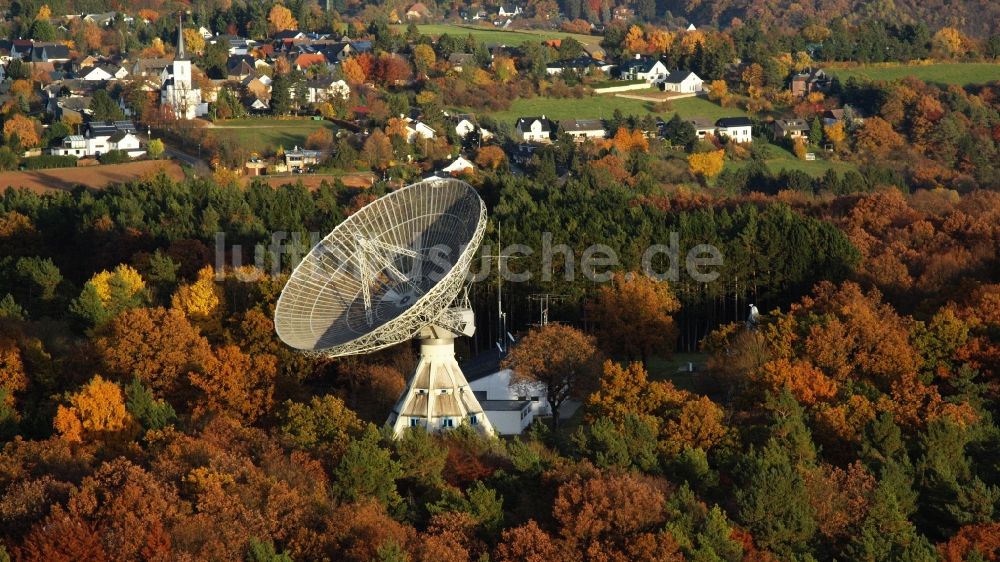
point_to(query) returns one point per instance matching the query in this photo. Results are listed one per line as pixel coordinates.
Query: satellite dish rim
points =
(404, 326)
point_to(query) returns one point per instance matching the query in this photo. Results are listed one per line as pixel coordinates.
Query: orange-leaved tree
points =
(634, 316)
(98, 409)
(561, 359)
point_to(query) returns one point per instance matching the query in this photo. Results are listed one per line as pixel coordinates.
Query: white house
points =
(416, 128)
(459, 166)
(466, 126)
(643, 68)
(510, 410)
(534, 129)
(319, 91)
(127, 143)
(95, 74)
(96, 145)
(684, 82)
(178, 91)
(702, 127)
(736, 128)
(583, 129)
(299, 159)
(505, 13)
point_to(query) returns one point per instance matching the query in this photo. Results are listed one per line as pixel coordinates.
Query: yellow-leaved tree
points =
(281, 18)
(96, 410)
(108, 293)
(194, 41)
(707, 164)
(199, 301)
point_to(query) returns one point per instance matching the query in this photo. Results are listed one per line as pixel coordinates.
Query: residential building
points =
(813, 80)
(149, 67)
(738, 129)
(298, 159)
(791, 128)
(534, 129)
(643, 68)
(684, 82)
(509, 12)
(467, 124)
(460, 60)
(418, 11)
(846, 115)
(415, 128)
(97, 74)
(583, 129)
(239, 67)
(580, 64)
(702, 127)
(458, 166)
(258, 86)
(305, 60)
(101, 138)
(326, 89)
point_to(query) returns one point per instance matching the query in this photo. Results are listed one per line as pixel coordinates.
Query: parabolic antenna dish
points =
(384, 273)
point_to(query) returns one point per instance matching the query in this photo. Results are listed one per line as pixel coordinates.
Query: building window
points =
(414, 422)
(473, 420)
(447, 422)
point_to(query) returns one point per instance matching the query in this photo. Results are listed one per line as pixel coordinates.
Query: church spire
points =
(180, 38)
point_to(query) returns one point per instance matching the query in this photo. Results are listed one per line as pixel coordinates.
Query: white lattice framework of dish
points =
(384, 273)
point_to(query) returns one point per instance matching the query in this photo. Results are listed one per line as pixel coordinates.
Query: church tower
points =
(182, 64)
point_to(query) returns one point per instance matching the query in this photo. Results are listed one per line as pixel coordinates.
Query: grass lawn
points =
(675, 369)
(494, 36)
(264, 135)
(603, 106)
(782, 159)
(959, 73)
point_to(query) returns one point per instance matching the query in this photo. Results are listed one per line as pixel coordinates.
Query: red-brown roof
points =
(305, 60)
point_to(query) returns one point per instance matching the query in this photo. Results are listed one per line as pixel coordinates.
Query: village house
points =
(509, 12)
(416, 129)
(326, 89)
(101, 138)
(739, 129)
(684, 82)
(459, 166)
(791, 128)
(150, 67)
(847, 115)
(298, 160)
(466, 124)
(702, 127)
(239, 67)
(583, 129)
(418, 11)
(643, 68)
(579, 64)
(460, 60)
(534, 129)
(813, 80)
(258, 86)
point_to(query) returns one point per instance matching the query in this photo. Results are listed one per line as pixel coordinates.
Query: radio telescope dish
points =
(385, 272)
(389, 273)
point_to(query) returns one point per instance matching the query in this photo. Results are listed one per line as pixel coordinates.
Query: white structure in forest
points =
(391, 272)
(178, 91)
